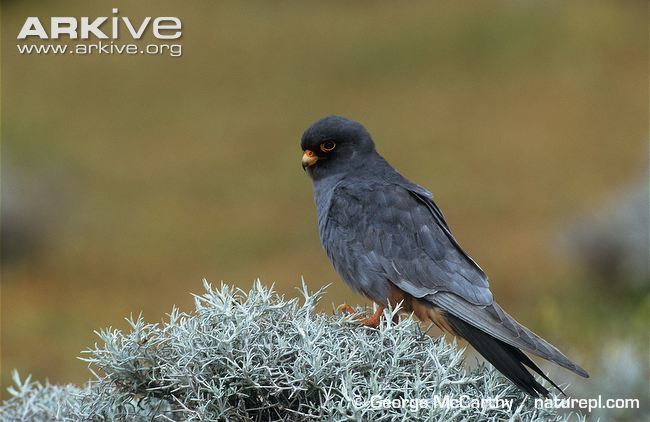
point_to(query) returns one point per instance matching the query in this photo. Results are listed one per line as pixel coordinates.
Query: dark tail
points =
(506, 359)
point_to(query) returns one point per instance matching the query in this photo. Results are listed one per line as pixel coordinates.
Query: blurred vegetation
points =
(154, 172)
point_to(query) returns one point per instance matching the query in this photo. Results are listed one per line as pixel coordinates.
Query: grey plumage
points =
(382, 231)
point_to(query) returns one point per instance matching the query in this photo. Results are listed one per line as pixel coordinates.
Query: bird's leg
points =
(344, 307)
(371, 321)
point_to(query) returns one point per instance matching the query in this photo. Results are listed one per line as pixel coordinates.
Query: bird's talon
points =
(345, 308)
(371, 321)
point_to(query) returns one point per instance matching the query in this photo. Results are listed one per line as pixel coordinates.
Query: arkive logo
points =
(100, 35)
(162, 28)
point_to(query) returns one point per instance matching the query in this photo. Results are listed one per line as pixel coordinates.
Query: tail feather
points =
(507, 359)
(493, 320)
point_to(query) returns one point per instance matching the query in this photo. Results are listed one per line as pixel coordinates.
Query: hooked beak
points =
(308, 159)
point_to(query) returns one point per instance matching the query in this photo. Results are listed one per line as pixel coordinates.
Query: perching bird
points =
(389, 241)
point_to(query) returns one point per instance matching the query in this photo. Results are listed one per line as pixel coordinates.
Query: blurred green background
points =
(128, 179)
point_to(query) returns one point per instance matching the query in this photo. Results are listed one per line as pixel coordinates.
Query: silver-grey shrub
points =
(257, 356)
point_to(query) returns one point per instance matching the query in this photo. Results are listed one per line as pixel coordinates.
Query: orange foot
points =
(371, 321)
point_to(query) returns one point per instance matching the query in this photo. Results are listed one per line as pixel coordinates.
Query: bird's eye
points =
(327, 146)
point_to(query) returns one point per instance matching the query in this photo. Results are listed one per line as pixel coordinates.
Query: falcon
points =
(389, 241)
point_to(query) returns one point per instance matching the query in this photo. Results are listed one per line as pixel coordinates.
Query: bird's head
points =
(333, 145)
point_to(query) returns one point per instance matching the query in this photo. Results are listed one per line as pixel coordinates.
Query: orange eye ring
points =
(327, 146)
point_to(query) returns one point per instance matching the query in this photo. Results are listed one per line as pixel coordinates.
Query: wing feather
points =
(395, 234)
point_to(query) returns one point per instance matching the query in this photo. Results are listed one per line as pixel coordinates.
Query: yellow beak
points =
(309, 159)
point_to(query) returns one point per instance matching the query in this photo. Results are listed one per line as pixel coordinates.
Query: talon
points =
(373, 320)
(345, 308)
